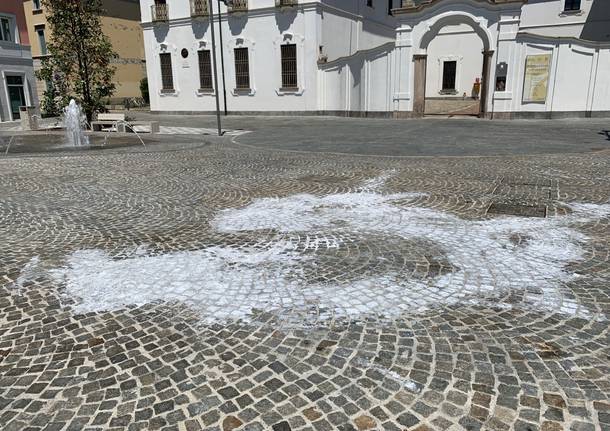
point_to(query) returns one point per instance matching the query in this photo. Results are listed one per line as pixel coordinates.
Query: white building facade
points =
(492, 58)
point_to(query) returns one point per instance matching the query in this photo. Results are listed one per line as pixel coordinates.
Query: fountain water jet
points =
(74, 122)
(126, 124)
(10, 141)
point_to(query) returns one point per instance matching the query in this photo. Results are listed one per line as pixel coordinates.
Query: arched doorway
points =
(452, 67)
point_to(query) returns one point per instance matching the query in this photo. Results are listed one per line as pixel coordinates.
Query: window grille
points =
(167, 77)
(242, 68)
(205, 70)
(289, 66)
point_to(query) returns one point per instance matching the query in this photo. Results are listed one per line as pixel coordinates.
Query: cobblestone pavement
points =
(430, 136)
(220, 287)
(54, 123)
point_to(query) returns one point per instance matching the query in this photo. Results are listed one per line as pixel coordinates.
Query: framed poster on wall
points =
(536, 78)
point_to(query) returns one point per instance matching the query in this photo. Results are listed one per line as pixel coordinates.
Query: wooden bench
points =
(110, 120)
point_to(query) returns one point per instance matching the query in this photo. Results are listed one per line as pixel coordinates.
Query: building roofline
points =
(412, 8)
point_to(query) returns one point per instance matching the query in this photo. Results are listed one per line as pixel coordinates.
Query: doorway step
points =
(452, 106)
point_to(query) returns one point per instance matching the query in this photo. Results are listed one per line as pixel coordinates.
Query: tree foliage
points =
(79, 64)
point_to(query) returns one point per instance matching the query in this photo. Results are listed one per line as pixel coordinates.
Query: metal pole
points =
(222, 60)
(215, 69)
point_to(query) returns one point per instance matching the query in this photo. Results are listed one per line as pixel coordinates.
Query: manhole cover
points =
(517, 210)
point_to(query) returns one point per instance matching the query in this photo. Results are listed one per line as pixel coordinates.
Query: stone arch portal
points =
(420, 59)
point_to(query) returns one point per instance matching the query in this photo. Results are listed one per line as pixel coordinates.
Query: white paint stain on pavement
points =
(226, 282)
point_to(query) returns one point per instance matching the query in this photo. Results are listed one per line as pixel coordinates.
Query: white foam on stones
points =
(220, 282)
(307, 213)
(230, 282)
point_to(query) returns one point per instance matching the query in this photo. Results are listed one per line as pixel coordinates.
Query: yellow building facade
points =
(120, 22)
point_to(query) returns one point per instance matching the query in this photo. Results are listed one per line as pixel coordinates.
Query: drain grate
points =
(517, 210)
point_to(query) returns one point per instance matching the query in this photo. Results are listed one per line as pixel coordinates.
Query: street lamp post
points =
(222, 59)
(215, 69)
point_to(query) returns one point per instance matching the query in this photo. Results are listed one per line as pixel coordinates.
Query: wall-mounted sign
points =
(536, 78)
(185, 54)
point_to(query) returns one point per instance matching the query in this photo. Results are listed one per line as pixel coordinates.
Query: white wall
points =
(262, 35)
(454, 43)
(333, 25)
(572, 79)
(262, 30)
(601, 91)
(370, 54)
(415, 30)
(547, 17)
(579, 76)
(349, 26)
(359, 83)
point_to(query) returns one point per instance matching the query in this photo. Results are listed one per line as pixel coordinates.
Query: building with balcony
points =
(17, 82)
(120, 22)
(401, 58)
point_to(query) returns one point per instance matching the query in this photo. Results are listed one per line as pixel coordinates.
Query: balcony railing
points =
(199, 8)
(286, 3)
(239, 6)
(159, 12)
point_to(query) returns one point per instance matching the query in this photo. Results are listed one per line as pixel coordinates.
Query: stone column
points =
(419, 84)
(485, 79)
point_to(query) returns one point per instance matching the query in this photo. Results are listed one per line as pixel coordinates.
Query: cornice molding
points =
(226, 16)
(410, 6)
(533, 37)
(386, 47)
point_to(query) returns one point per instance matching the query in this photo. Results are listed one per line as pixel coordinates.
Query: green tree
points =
(79, 64)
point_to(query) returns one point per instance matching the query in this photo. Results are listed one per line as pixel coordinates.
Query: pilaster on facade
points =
(506, 74)
(403, 53)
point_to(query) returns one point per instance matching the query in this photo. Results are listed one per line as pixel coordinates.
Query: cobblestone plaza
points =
(213, 284)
